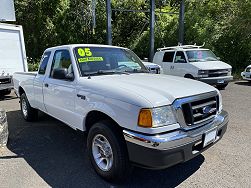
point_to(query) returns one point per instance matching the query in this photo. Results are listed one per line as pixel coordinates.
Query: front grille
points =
(154, 70)
(5, 80)
(201, 111)
(218, 73)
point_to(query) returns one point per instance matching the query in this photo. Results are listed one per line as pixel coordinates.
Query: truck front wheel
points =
(29, 113)
(107, 151)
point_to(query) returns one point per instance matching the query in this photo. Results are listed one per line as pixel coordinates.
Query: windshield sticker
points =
(84, 52)
(89, 59)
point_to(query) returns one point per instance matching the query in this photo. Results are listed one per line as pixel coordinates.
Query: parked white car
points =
(246, 74)
(194, 62)
(152, 67)
(131, 116)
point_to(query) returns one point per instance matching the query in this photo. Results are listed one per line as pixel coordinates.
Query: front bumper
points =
(216, 80)
(4, 85)
(165, 150)
(246, 75)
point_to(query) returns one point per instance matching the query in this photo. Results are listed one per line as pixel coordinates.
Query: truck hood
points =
(144, 90)
(211, 65)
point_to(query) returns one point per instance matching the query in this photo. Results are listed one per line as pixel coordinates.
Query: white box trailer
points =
(12, 55)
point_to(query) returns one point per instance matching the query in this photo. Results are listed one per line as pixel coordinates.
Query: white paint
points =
(12, 49)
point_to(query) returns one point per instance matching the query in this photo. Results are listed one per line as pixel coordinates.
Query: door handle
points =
(81, 96)
(172, 67)
(46, 85)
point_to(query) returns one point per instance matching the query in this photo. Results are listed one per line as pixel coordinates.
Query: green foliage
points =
(224, 25)
(33, 66)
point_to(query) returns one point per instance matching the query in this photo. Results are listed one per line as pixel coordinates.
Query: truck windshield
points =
(201, 56)
(104, 60)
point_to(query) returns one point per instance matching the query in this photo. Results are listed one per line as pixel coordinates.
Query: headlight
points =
(156, 117)
(203, 73)
(220, 102)
(229, 71)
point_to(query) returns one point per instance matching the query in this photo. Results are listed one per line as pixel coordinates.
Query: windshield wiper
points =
(104, 72)
(137, 71)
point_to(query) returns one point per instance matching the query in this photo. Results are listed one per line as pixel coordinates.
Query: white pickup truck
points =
(194, 62)
(131, 117)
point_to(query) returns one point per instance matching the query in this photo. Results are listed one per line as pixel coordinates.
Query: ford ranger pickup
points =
(131, 117)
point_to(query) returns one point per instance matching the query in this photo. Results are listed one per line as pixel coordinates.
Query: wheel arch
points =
(95, 116)
(20, 91)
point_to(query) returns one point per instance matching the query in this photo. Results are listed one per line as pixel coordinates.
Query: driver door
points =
(180, 65)
(60, 94)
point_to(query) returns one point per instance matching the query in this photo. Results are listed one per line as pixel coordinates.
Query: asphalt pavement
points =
(48, 153)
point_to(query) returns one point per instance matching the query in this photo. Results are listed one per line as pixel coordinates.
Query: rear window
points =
(168, 57)
(44, 62)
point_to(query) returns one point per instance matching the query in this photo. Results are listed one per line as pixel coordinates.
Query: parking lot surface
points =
(47, 153)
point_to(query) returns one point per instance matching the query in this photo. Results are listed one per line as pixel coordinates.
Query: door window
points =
(180, 57)
(44, 62)
(168, 57)
(61, 60)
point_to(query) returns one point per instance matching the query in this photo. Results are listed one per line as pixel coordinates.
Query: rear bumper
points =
(165, 150)
(216, 80)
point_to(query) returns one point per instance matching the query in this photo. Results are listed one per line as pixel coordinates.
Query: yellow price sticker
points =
(84, 52)
(89, 59)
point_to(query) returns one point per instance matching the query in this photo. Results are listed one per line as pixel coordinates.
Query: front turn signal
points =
(145, 118)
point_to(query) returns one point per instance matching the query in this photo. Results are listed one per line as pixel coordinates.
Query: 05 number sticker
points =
(84, 52)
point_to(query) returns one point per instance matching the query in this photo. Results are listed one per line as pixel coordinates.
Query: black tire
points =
(120, 167)
(222, 86)
(29, 113)
(189, 76)
(5, 92)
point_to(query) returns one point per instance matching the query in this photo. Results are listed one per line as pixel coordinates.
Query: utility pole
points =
(181, 21)
(109, 22)
(152, 21)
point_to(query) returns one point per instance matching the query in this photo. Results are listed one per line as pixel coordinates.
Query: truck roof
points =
(87, 45)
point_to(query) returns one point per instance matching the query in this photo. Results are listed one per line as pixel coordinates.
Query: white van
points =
(195, 62)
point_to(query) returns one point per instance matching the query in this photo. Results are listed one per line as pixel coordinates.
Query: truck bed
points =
(24, 78)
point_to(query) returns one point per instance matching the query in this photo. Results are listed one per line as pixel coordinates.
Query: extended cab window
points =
(168, 57)
(180, 57)
(44, 62)
(61, 61)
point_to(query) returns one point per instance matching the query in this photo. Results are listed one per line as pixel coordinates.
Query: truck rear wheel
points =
(29, 113)
(107, 151)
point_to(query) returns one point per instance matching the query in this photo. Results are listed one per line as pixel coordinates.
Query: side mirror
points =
(218, 58)
(62, 74)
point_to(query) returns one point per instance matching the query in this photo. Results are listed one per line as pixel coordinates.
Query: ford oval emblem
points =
(206, 109)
